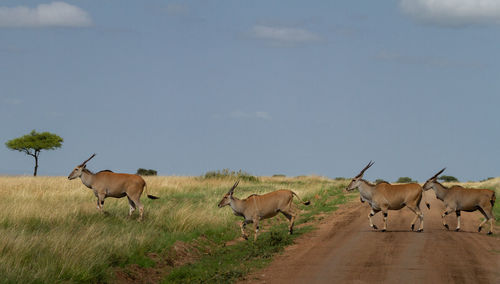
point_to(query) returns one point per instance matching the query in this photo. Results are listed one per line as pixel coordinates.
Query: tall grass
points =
(51, 231)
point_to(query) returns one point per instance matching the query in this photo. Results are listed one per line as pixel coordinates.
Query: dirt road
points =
(346, 250)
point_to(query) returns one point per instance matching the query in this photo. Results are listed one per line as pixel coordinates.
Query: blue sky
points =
(269, 87)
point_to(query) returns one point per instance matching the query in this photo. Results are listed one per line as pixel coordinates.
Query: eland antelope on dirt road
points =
(109, 184)
(457, 198)
(385, 196)
(258, 207)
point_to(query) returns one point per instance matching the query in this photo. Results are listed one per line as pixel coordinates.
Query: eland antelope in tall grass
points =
(109, 184)
(385, 196)
(258, 207)
(457, 198)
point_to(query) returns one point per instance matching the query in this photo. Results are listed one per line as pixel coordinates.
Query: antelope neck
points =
(440, 190)
(87, 178)
(366, 189)
(236, 204)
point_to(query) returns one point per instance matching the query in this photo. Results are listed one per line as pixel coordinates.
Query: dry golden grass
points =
(50, 229)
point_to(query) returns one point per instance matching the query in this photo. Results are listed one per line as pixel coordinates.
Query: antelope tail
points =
(150, 196)
(301, 201)
(492, 200)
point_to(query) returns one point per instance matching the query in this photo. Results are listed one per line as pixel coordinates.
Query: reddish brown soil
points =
(346, 250)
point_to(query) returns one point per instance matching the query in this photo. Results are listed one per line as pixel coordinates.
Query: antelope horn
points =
(83, 164)
(436, 175)
(234, 186)
(363, 170)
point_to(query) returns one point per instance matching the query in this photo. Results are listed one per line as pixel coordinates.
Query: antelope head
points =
(430, 182)
(228, 196)
(77, 172)
(356, 181)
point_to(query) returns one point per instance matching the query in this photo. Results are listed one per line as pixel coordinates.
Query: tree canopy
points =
(448, 178)
(146, 172)
(32, 144)
(405, 180)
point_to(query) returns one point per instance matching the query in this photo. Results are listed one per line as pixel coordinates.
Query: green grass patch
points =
(226, 264)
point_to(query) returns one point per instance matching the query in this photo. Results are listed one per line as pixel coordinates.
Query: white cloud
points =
(453, 13)
(284, 34)
(55, 14)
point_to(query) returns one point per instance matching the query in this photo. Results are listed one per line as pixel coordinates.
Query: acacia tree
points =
(32, 144)
(405, 180)
(448, 178)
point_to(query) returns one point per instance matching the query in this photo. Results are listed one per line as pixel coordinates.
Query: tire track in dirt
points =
(346, 250)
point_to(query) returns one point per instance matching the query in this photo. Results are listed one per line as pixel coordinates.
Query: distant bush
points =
(145, 172)
(379, 180)
(448, 178)
(405, 180)
(279, 175)
(490, 178)
(226, 173)
(340, 178)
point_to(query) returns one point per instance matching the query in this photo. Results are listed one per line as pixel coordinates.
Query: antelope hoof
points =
(383, 230)
(490, 233)
(375, 227)
(412, 227)
(447, 227)
(457, 229)
(479, 229)
(245, 237)
(420, 230)
(290, 232)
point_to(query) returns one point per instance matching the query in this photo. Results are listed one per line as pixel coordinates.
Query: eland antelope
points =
(258, 207)
(385, 196)
(457, 198)
(109, 184)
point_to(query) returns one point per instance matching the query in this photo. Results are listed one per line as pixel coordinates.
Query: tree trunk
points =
(36, 163)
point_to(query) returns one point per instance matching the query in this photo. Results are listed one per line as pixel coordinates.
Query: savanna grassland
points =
(51, 231)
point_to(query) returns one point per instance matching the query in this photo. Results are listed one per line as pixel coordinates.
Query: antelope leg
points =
(458, 220)
(372, 213)
(446, 212)
(385, 221)
(256, 225)
(242, 227)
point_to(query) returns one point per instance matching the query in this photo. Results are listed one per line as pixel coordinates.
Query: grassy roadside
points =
(225, 264)
(50, 230)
